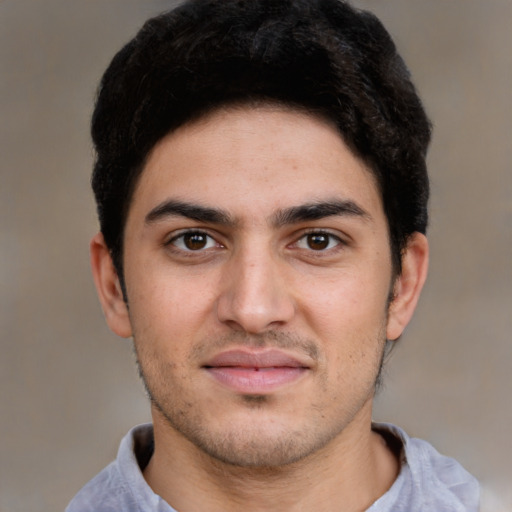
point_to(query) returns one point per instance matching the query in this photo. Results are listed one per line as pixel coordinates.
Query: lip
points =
(255, 372)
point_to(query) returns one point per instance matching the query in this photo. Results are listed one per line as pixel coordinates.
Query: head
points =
(317, 56)
(261, 187)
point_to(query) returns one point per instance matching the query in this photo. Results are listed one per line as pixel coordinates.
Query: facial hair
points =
(253, 444)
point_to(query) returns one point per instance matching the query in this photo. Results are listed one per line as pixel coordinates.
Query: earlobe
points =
(408, 285)
(109, 288)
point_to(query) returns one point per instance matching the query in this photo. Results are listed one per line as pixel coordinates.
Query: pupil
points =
(195, 241)
(318, 241)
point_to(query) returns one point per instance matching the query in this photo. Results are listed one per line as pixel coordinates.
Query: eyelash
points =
(190, 233)
(320, 233)
(211, 242)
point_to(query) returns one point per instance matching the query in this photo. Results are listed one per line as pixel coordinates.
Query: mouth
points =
(255, 372)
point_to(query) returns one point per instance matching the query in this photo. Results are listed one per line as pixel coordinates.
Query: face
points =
(258, 275)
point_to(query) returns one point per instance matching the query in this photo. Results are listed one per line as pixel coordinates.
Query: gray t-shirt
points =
(428, 481)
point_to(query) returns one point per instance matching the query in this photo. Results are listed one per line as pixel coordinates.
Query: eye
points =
(193, 241)
(318, 241)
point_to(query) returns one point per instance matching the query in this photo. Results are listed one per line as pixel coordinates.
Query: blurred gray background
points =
(68, 387)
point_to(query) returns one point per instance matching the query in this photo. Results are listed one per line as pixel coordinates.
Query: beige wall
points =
(68, 388)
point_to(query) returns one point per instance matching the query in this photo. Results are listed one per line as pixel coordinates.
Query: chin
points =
(257, 448)
(255, 440)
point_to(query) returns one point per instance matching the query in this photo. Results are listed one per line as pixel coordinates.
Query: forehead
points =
(255, 159)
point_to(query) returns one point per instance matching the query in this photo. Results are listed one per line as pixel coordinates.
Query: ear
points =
(408, 285)
(109, 288)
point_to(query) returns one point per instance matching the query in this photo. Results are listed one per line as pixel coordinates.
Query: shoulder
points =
(121, 485)
(106, 492)
(430, 481)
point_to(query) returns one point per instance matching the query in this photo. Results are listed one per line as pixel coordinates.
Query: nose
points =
(255, 294)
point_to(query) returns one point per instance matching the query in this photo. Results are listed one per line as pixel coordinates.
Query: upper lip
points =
(269, 358)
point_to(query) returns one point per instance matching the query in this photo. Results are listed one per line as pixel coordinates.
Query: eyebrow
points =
(175, 208)
(301, 213)
(319, 210)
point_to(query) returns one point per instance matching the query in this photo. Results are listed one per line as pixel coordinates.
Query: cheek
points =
(164, 313)
(353, 303)
(349, 319)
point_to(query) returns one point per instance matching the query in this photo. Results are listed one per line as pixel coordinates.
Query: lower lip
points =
(255, 381)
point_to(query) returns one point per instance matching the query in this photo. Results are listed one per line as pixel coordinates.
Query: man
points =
(262, 194)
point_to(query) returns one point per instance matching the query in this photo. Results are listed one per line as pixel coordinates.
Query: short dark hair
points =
(322, 56)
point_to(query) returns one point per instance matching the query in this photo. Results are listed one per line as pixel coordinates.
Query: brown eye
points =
(193, 241)
(318, 241)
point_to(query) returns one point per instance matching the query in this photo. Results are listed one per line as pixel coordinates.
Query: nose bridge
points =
(255, 295)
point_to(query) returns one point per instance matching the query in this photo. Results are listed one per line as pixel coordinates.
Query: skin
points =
(253, 272)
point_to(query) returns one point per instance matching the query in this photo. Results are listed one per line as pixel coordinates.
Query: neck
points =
(351, 471)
